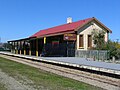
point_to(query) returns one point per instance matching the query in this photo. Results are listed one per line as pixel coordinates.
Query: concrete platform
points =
(76, 62)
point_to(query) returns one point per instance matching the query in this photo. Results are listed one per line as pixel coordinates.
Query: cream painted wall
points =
(85, 31)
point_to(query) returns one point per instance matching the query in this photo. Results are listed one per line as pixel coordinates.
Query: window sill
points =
(89, 47)
(81, 47)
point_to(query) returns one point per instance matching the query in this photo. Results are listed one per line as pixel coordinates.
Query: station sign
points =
(70, 37)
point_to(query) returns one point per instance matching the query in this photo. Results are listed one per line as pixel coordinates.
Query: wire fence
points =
(93, 54)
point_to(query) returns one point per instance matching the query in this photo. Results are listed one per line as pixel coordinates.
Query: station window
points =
(81, 41)
(89, 41)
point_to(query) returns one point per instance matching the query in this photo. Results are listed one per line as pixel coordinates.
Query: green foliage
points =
(1, 49)
(100, 44)
(6, 46)
(98, 38)
(2, 87)
(114, 49)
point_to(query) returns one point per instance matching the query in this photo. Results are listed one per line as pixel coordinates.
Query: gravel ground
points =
(12, 84)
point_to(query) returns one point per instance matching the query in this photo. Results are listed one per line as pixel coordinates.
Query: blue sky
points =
(22, 18)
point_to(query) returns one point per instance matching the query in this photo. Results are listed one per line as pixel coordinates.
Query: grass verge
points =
(2, 87)
(41, 79)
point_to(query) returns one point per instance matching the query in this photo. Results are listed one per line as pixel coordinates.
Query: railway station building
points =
(63, 40)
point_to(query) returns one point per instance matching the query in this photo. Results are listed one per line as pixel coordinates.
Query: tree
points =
(6, 46)
(114, 49)
(98, 39)
(100, 44)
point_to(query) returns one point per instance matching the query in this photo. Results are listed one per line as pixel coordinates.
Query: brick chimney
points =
(69, 20)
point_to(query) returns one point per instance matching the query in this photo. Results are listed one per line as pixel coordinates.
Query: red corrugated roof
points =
(61, 28)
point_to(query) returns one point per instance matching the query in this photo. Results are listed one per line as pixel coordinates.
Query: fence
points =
(93, 54)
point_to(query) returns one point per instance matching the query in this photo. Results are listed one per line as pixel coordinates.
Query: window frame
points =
(81, 46)
(89, 46)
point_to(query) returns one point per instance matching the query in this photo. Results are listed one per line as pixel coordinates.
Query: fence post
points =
(98, 54)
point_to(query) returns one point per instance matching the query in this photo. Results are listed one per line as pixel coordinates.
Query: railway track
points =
(101, 81)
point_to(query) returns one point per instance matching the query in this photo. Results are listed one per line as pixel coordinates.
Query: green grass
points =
(2, 87)
(41, 78)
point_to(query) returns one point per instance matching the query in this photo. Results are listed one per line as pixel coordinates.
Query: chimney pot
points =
(69, 20)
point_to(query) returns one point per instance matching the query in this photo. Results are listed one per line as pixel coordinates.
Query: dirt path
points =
(12, 84)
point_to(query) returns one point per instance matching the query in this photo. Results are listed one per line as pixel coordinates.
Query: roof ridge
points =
(61, 28)
(65, 24)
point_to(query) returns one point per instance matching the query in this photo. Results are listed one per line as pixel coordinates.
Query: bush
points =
(114, 49)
